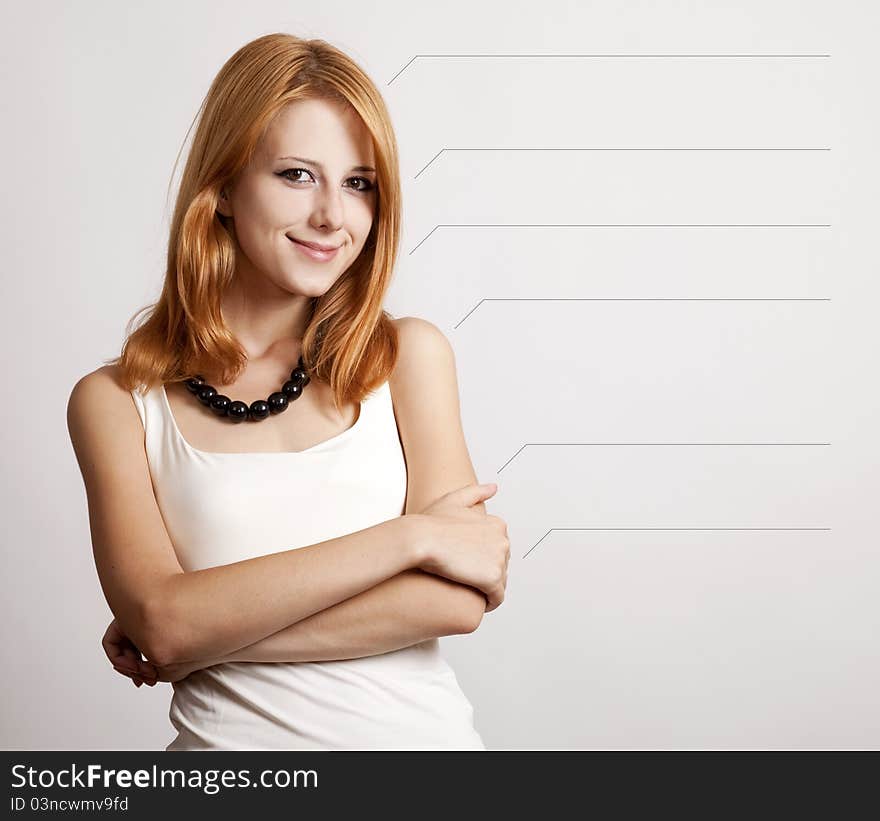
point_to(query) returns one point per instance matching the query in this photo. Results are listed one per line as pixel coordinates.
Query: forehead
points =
(327, 130)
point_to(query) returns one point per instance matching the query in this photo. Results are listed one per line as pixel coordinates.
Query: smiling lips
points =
(316, 245)
(315, 250)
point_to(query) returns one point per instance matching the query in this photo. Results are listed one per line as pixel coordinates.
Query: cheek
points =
(257, 223)
(266, 203)
(250, 236)
(362, 223)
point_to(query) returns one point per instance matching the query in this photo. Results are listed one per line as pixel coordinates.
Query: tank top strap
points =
(138, 398)
(150, 409)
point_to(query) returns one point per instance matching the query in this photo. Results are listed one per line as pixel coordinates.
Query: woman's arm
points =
(344, 566)
(399, 612)
(404, 610)
(172, 615)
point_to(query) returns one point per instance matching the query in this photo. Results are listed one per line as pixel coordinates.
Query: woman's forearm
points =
(401, 611)
(212, 612)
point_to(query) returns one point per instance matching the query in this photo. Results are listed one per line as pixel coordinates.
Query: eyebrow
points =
(318, 165)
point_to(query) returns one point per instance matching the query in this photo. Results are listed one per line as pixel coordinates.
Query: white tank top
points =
(220, 508)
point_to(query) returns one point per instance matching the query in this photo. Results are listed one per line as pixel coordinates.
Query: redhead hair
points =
(350, 342)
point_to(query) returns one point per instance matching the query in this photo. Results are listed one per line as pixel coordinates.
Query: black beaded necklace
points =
(238, 411)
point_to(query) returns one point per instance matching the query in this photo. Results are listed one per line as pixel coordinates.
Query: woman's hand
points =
(176, 672)
(126, 657)
(466, 545)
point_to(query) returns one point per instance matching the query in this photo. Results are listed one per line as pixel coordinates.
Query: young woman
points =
(283, 512)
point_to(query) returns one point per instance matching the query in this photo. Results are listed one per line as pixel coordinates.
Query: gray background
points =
(692, 410)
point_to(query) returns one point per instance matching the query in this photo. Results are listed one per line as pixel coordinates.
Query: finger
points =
(118, 658)
(111, 647)
(473, 494)
(133, 657)
(146, 669)
(109, 632)
(141, 670)
(150, 680)
(122, 663)
(113, 637)
(123, 660)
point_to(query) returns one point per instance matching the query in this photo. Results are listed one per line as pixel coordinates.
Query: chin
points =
(308, 288)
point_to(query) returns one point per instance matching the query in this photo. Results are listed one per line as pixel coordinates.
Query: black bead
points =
(277, 402)
(259, 409)
(220, 404)
(237, 411)
(206, 393)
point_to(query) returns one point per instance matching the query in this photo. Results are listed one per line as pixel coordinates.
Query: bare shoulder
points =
(425, 395)
(104, 378)
(424, 372)
(420, 344)
(99, 395)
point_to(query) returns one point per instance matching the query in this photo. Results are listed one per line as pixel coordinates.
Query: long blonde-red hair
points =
(350, 342)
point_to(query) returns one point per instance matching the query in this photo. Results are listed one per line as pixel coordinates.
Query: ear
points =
(223, 205)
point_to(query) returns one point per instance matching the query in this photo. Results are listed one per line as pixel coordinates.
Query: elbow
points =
(469, 611)
(447, 607)
(161, 640)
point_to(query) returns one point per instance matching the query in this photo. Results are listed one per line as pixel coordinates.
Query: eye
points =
(294, 171)
(369, 185)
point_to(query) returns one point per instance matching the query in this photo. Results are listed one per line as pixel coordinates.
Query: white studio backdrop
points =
(647, 230)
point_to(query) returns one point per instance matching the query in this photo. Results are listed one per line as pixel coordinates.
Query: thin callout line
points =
(611, 56)
(552, 529)
(620, 225)
(640, 299)
(660, 444)
(614, 149)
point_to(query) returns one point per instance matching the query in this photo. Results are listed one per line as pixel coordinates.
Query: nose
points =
(327, 214)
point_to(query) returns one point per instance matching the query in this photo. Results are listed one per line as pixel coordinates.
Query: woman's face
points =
(308, 180)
